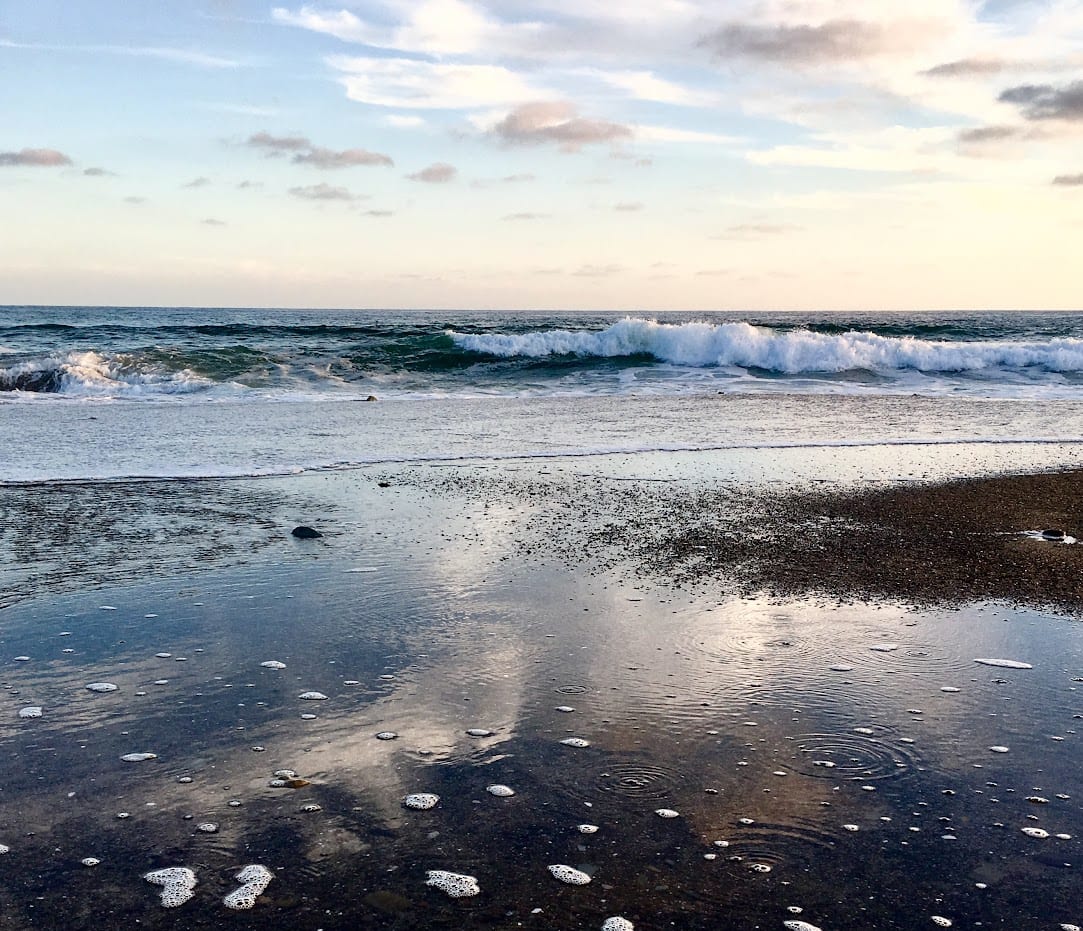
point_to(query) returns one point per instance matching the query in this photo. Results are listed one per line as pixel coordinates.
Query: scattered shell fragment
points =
(500, 791)
(421, 801)
(139, 757)
(999, 749)
(577, 742)
(567, 709)
(312, 696)
(101, 687)
(851, 827)
(310, 808)
(569, 874)
(456, 885)
(177, 882)
(254, 878)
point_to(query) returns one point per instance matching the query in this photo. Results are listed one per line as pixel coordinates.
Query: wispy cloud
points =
(556, 122)
(628, 207)
(279, 144)
(247, 185)
(323, 191)
(1046, 102)
(327, 158)
(98, 173)
(197, 183)
(1069, 180)
(831, 41)
(211, 221)
(438, 173)
(757, 230)
(525, 216)
(37, 158)
(163, 53)
(135, 200)
(967, 68)
(378, 213)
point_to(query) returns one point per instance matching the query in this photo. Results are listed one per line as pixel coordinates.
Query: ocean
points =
(104, 393)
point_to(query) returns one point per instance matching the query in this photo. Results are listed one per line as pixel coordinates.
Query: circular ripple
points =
(775, 845)
(862, 757)
(639, 780)
(572, 689)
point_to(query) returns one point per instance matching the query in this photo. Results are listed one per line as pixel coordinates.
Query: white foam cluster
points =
(578, 742)
(760, 867)
(456, 885)
(139, 757)
(254, 878)
(569, 874)
(999, 749)
(312, 696)
(884, 647)
(207, 827)
(30, 711)
(941, 921)
(1039, 833)
(421, 801)
(90, 861)
(386, 735)
(101, 687)
(479, 732)
(567, 709)
(666, 813)
(588, 829)
(4, 848)
(272, 664)
(1004, 663)
(178, 884)
(617, 923)
(796, 925)
(851, 827)
(501, 791)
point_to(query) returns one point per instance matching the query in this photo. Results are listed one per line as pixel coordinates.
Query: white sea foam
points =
(796, 925)
(616, 923)
(254, 879)
(577, 742)
(30, 711)
(421, 801)
(1004, 663)
(456, 885)
(569, 874)
(312, 696)
(101, 687)
(178, 884)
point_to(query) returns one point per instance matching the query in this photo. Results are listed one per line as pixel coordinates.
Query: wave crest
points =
(792, 352)
(92, 374)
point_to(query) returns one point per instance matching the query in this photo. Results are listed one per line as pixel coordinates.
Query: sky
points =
(537, 154)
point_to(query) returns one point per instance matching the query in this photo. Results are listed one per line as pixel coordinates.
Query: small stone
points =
(305, 533)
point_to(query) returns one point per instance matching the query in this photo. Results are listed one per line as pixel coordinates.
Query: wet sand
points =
(811, 668)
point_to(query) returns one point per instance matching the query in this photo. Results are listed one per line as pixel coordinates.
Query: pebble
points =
(139, 757)
(273, 664)
(386, 735)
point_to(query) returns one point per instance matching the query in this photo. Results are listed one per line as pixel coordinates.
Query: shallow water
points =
(430, 614)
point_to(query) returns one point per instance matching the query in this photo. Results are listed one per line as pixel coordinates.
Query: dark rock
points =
(384, 484)
(371, 397)
(305, 533)
(1053, 534)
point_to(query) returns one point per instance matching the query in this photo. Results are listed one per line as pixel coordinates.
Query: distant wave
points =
(789, 352)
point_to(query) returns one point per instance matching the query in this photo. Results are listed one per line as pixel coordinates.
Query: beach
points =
(738, 658)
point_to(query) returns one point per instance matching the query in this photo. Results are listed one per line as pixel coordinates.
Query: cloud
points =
(135, 200)
(211, 221)
(249, 185)
(400, 121)
(197, 183)
(525, 216)
(981, 134)
(176, 55)
(38, 158)
(279, 144)
(98, 173)
(409, 84)
(378, 213)
(517, 179)
(646, 85)
(628, 207)
(757, 230)
(438, 173)
(597, 271)
(322, 191)
(556, 122)
(834, 40)
(1069, 180)
(347, 158)
(1045, 102)
(967, 67)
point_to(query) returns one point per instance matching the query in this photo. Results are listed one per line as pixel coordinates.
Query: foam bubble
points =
(139, 757)
(500, 791)
(569, 874)
(272, 664)
(617, 924)
(456, 885)
(178, 884)
(587, 829)
(567, 709)
(796, 925)
(254, 878)
(479, 732)
(999, 749)
(30, 711)
(884, 647)
(207, 827)
(667, 813)
(1004, 663)
(759, 867)
(101, 687)
(386, 735)
(312, 696)
(90, 861)
(577, 742)
(421, 801)
(941, 921)
(851, 827)
(1039, 833)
